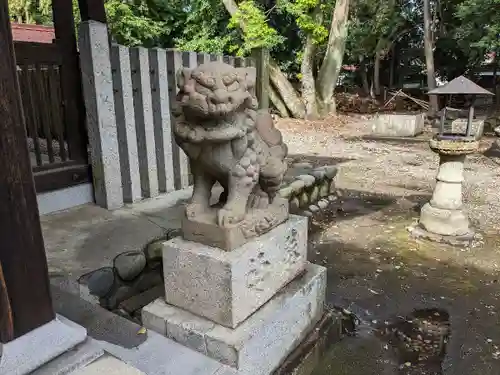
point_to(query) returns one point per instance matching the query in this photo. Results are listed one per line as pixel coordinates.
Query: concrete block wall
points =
(129, 93)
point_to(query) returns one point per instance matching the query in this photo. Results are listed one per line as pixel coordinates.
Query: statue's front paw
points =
(195, 209)
(259, 200)
(226, 217)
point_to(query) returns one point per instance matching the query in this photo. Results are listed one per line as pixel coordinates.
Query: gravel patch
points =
(394, 168)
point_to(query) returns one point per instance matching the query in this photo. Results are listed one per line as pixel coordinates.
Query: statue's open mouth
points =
(202, 106)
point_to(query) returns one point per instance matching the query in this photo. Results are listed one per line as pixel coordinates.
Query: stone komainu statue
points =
(227, 141)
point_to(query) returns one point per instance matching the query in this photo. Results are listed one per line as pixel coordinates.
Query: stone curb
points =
(308, 189)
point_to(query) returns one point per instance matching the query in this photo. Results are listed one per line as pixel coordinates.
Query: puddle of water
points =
(419, 340)
(414, 344)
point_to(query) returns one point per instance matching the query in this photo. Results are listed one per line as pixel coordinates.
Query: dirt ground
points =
(378, 272)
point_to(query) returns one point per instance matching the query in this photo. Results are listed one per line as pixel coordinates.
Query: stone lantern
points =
(443, 218)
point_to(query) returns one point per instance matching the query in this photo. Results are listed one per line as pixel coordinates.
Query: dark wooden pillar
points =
(25, 284)
(92, 10)
(73, 104)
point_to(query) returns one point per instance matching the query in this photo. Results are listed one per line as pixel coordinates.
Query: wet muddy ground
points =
(423, 307)
(392, 283)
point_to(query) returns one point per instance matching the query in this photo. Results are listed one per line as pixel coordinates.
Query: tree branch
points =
(332, 62)
(280, 81)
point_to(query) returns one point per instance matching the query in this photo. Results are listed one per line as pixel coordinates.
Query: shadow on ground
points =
(493, 153)
(391, 140)
(317, 161)
(382, 274)
(355, 203)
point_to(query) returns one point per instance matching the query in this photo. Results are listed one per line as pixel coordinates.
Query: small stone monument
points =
(443, 218)
(238, 287)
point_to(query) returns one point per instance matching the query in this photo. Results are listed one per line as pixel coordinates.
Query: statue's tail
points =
(273, 172)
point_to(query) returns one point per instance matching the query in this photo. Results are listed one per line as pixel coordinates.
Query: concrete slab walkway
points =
(88, 237)
(146, 351)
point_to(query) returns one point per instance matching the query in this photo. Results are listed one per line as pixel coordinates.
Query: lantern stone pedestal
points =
(443, 218)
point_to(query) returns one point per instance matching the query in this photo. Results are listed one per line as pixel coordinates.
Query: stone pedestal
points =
(40, 346)
(204, 229)
(247, 308)
(444, 215)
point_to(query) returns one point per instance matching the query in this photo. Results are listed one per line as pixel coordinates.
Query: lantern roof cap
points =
(460, 85)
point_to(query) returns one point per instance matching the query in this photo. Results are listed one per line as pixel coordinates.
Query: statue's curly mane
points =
(216, 102)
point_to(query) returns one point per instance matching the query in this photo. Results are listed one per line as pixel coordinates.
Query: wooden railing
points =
(56, 161)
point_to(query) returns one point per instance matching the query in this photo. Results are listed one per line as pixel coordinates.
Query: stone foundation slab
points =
(260, 344)
(36, 348)
(417, 231)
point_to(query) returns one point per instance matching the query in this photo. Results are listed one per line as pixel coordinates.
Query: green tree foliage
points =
(144, 22)
(465, 31)
(28, 11)
(258, 34)
(306, 17)
(382, 33)
(480, 23)
(205, 28)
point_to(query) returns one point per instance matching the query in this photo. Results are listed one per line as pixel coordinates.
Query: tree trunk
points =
(496, 90)
(364, 75)
(380, 52)
(308, 84)
(332, 62)
(281, 83)
(278, 103)
(429, 58)
(232, 8)
(392, 67)
(286, 91)
(376, 73)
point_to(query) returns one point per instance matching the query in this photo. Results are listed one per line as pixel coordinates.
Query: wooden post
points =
(22, 253)
(261, 56)
(92, 10)
(74, 115)
(6, 326)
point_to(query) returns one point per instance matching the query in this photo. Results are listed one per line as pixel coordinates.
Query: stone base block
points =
(262, 342)
(444, 222)
(204, 228)
(396, 125)
(227, 287)
(36, 348)
(418, 232)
